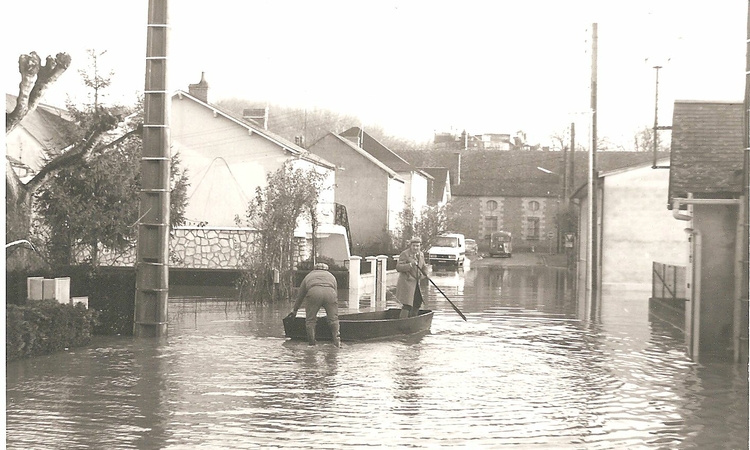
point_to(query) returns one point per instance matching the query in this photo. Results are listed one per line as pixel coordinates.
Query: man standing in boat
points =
(409, 267)
(319, 289)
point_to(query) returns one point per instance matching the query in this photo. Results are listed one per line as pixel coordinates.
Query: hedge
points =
(46, 326)
(111, 292)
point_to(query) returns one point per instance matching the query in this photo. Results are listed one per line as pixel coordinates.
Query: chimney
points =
(458, 168)
(200, 90)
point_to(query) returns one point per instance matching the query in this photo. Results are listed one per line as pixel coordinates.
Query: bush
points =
(46, 326)
(110, 291)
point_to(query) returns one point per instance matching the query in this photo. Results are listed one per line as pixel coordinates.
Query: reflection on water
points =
(526, 369)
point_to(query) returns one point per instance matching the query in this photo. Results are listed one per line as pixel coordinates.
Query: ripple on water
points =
(523, 371)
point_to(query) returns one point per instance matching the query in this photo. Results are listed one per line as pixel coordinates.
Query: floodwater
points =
(529, 369)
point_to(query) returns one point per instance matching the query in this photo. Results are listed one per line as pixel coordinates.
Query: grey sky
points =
(412, 67)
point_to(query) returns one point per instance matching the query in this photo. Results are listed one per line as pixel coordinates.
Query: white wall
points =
(395, 202)
(225, 163)
(20, 145)
(418, 193)
(638, 229)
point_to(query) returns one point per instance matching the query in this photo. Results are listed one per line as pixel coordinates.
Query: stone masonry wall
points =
(198, 248)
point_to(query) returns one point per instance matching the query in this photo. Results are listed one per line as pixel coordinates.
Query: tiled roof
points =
(379, 151)
(707, 149)
(516, 173)
(50, 126)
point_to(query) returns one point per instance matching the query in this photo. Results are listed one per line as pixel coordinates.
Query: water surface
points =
(528, 369)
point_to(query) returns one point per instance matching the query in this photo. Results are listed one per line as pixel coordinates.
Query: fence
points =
(668, 282)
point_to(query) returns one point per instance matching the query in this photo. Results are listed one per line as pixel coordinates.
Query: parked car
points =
(448, 249)
(471, 247)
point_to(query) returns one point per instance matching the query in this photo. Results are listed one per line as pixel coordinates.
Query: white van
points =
(448, 249)
(332, 242)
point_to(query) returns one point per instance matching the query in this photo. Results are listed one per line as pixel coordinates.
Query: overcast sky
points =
(412, 67)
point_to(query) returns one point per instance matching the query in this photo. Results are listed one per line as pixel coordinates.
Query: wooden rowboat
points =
(362, 326)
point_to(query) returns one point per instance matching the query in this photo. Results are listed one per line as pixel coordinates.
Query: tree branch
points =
(35, 79)
(82, 152)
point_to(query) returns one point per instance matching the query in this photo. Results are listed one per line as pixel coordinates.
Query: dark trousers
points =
(412, 311)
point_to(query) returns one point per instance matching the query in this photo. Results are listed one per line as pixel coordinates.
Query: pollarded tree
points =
(95, 204)
(36, 78)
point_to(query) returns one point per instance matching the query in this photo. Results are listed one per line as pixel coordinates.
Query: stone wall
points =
(198, 248)
(207, 248)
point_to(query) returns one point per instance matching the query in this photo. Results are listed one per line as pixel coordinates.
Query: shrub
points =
(46, 326)
(111, 292)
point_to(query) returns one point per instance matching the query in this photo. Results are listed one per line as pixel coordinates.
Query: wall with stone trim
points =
(198, 248)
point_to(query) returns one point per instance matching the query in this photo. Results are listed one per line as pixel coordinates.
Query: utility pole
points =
(656, 116)
(570, 176)
(593, 250)
(152, 268)
(657, 127)
(740, 324)
(570, 172)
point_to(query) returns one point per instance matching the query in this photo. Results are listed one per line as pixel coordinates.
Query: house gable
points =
(227, 159)
(378, 150)
(372, 193)
(439, 191)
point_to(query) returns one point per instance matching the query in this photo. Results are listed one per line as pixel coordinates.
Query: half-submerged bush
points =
(46, 326)
(111, 292)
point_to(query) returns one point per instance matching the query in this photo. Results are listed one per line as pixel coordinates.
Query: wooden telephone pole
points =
(152, 268)
(593, 247)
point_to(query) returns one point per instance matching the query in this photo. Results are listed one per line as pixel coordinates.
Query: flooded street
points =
(528, 369)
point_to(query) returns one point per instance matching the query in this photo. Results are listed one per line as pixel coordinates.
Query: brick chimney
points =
(200, 90)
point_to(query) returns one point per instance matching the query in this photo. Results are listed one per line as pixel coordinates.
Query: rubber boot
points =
(310, 334)
(335, 334)
(405, 309)
(417, 304)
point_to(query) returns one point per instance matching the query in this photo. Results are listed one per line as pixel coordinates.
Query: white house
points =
(227, 158)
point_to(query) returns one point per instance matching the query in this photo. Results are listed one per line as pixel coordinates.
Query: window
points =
(534, 205)
(532, 228)
(491, 205)
(445, 241)
(490, 225)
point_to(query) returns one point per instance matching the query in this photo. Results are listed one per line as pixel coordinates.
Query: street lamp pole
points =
(656, 116)
(557, 218)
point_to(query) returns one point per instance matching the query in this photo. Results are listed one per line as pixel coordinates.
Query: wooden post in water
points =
(152, 269)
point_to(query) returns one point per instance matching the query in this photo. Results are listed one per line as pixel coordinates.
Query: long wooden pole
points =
(152, 263)
(455, 308)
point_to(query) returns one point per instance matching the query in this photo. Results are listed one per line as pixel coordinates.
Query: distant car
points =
(471, 247)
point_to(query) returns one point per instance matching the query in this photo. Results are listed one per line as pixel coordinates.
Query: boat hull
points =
(362, 326)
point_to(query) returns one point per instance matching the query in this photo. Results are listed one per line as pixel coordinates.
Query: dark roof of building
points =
(707, 149)
(378, 150)
(50, 126)
(492, 173)
(440, 176)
